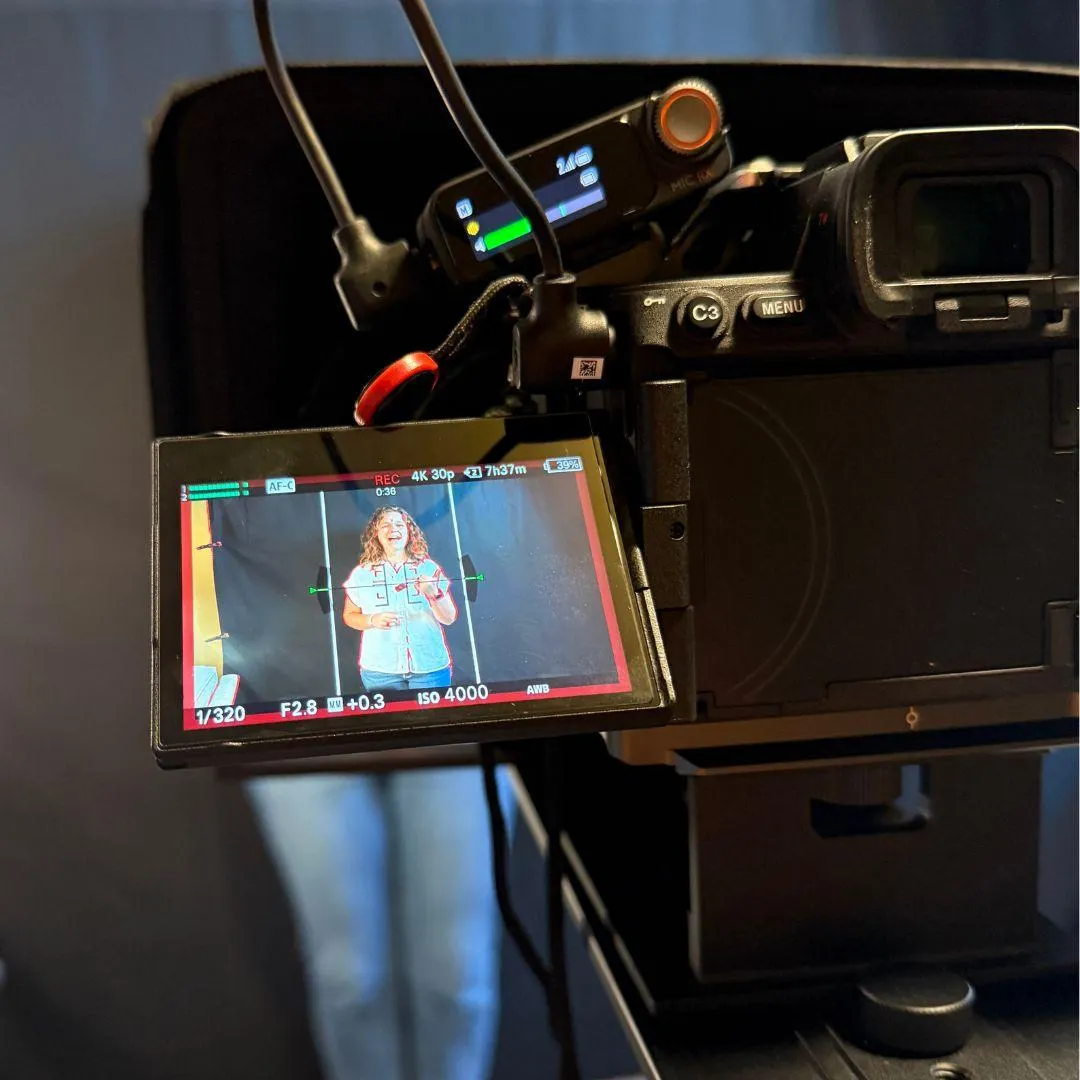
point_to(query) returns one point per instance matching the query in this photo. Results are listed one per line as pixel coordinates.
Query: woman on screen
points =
(399, 598)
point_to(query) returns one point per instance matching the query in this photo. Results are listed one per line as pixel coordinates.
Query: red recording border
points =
(603, 584)
(187, 599)
(258, 719)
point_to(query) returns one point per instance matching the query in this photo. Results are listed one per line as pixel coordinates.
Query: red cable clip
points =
(414, 371)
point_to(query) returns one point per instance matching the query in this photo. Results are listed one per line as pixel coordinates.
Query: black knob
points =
(688, 117)
(923, 1013)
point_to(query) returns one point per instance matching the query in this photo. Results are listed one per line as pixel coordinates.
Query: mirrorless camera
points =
(857, 467)
(818, 495)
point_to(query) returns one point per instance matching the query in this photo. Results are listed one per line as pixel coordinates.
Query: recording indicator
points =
(568, 464)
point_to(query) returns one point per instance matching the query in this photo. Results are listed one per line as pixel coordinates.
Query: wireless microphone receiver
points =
(593, 182)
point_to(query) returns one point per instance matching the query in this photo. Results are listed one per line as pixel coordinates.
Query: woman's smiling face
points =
(393, 535)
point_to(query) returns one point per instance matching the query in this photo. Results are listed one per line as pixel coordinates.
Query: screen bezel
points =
(355, 450)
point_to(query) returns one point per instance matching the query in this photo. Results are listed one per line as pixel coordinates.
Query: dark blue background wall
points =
(143, 932)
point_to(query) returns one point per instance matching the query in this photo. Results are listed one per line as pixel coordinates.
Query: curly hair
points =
(371, 551)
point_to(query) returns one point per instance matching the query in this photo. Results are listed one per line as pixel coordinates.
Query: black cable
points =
(477, 136)
(465, 333)
(514, 927)
(513, 286)
(298, 118)
(559, 1010)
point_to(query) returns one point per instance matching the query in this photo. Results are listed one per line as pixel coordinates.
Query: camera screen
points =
(961, 227)
(317, 596)
(374, 597)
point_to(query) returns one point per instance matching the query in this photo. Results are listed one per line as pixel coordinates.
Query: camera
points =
(844, 463)
(785, 513)
(865, 422)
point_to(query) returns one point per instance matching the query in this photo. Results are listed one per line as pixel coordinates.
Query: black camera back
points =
(870, 513)
(866, 551)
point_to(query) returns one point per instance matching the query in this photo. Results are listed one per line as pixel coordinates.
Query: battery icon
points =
(570, 463)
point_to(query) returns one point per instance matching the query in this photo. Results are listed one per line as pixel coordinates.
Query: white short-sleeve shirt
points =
(417, 645)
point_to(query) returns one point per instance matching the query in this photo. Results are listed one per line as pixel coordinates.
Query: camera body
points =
(852, 444)
(857, 453)
(903, 241)
(858, 473)
(833, 452)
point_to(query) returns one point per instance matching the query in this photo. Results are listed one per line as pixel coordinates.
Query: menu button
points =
(781, 306)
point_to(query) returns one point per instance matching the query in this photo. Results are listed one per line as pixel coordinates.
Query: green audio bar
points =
(232, 486)
(202, 496)
(507, 234)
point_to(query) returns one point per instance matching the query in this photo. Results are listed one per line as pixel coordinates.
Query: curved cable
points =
(298, 118)
(560, 1015)
(477, 136)
(514, 926)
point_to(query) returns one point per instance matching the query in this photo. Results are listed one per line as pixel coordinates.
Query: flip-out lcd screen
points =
(380, 583)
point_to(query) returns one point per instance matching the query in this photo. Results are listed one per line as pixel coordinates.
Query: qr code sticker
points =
(588, 367)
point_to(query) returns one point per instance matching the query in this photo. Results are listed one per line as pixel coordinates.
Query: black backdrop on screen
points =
(538, 612)
(537, 615)
(271, 548)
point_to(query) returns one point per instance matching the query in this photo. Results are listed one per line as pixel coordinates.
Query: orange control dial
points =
(688, 117)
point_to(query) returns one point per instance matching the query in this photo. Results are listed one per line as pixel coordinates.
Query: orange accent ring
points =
(714, 118)
(392, 378)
